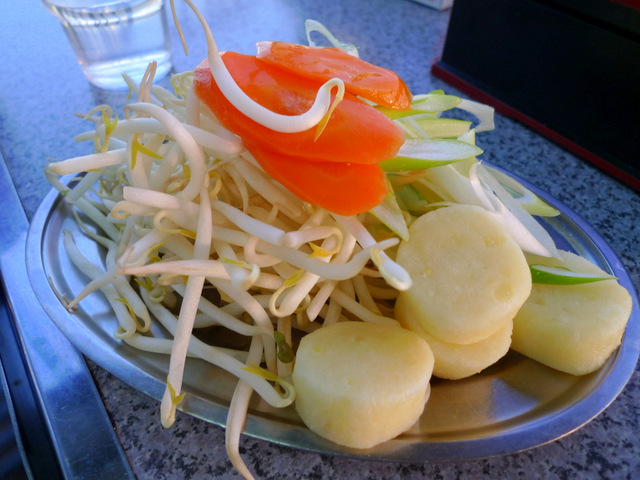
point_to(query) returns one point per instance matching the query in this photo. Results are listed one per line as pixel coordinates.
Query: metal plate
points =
(514, 405)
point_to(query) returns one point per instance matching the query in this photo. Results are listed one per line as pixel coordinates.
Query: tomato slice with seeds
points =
(355, 132)
(361, 78)
(342, 188)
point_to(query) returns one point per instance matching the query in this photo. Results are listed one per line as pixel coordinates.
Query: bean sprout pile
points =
(183, 208)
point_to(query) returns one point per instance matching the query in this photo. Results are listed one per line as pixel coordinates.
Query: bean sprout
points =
(267, 254)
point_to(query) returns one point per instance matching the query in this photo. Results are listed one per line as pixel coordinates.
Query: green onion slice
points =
(544, 274)
(390, 214)
(427, 104)
(417, 154)
(529, 200)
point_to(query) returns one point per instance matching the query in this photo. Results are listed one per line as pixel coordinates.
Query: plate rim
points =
(400, 449)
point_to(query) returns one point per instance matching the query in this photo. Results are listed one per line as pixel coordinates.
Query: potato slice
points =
(453, 361)
(572, 328)
(469, 276)
(359, 384)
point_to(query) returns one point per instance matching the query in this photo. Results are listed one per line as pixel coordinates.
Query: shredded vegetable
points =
(547, 275)
(259, 241)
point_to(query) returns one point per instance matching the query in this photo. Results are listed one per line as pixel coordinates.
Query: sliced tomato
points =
(342, 188)
(361, 78)
(355, 132)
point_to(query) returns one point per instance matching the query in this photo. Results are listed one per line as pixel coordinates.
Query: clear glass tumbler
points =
(112, 37)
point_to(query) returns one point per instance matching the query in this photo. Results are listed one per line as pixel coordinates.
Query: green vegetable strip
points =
(428, 153)
(543, 274)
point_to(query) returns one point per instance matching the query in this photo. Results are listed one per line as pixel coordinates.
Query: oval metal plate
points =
(514, 405)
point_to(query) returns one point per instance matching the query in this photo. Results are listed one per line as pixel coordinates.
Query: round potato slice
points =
(572, 328)
(469, 276)
(359, 384)
(453, 361)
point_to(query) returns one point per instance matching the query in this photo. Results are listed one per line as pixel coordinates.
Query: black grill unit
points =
(567, 68)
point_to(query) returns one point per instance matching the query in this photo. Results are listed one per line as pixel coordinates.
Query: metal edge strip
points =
(81, 431)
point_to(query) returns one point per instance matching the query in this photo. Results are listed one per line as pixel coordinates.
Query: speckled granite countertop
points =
(42, 87)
